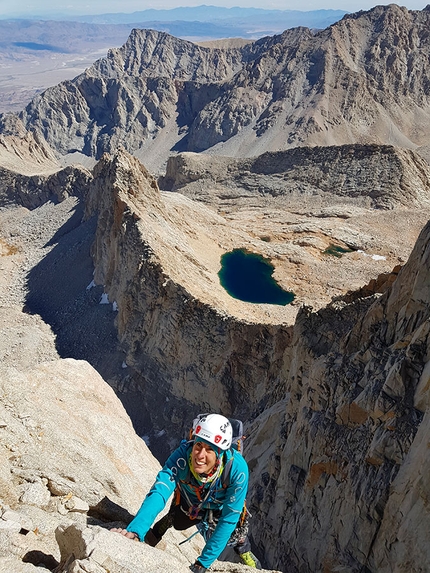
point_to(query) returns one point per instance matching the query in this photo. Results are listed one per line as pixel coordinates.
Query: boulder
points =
(96, 550)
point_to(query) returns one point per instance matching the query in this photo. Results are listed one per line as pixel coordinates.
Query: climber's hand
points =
(126, 533)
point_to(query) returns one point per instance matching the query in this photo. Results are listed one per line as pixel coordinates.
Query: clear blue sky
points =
(9, 8)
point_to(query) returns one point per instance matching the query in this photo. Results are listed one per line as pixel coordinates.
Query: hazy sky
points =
(21, 8)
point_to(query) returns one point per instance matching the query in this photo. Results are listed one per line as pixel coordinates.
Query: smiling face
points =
(203, 458)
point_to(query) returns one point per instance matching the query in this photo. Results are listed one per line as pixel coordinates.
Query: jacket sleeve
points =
(159, 493)
(232, 508)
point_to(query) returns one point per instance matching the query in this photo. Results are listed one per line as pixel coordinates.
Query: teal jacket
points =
(229, 500)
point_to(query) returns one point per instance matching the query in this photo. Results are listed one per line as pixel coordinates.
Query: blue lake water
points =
(248, 277)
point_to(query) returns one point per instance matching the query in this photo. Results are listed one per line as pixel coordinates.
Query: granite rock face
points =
(99, 551)
(57, 444)
(71, 468)
(68, 451)
(344, 486)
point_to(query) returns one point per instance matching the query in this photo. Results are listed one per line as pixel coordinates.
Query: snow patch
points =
(374, 257)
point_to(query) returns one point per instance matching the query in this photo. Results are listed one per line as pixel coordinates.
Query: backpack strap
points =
(225, 476)
(237, 427)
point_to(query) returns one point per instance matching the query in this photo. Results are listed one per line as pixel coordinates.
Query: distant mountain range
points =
(202, 22)
(44, 49)
(213, 21)
(207, 14)
(361, 80)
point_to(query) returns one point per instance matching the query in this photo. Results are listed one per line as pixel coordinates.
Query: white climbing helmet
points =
(213, 428)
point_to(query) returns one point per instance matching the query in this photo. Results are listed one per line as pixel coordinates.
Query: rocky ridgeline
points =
(381, 177)
(32, 191)
(133, 91)
(347, 84)
(362, 80)
(30, 174)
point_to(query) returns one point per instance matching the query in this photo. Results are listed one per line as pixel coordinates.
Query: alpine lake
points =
(248, 277)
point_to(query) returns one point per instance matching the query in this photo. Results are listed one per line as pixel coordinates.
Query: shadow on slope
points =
(57, 291)
(84, 328)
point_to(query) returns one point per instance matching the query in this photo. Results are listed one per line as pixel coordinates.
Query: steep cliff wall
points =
(191, 347)
(344, 483)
